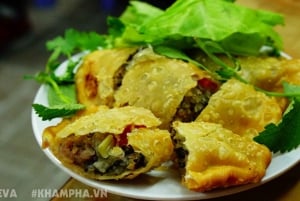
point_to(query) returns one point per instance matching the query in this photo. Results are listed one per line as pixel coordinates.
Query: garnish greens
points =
(211, 26)
(61, 91)
(286, 135)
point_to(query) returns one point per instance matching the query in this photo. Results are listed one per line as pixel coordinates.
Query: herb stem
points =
(55, 86)
(277, 94)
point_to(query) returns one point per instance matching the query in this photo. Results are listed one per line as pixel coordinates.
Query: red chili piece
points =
(208, 84)
(122, 138)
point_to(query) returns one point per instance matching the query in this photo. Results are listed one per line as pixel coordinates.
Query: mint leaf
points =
(69, 94)
(61, 100)
(48, 113)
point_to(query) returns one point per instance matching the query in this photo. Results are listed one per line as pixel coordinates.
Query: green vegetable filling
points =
(97, 153)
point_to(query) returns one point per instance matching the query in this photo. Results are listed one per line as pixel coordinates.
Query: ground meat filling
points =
(78, 149)
(83, 151)
(180, 151)
(192, 104)
(118, 76)
(195, 100)
(120, 73)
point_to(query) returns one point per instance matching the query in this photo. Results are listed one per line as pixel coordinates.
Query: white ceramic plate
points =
(158, 185)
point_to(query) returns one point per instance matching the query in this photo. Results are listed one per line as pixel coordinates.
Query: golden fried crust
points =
(99, 119)
(155, 144)
(94, 78)
(240, 108)
(112, 120)
(263, 72)
(269, 73)
(50, 133)
(157, 83)
(218, 158)
(291, 71)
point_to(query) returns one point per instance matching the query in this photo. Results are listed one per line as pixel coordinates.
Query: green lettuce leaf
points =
(216, 20)
(128, 24)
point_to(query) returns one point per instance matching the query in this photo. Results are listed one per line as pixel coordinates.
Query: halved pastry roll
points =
(170, 88)
(211, 156)
(239, 107)
(100, 74)
(113, 143)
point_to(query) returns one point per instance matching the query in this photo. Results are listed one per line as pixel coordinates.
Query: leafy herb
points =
(286, 135)
(61, 102)
(237, 29)
(72, 43)
(48, 113)
(125, 29)
(61, 91)
(61, 98)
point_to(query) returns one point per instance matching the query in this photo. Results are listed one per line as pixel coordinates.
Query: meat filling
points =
(180, 151)
(195, 100)
(192, 104)
(119, 74)
(98, 153)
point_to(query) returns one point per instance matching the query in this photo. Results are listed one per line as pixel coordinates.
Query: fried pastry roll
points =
(242, 109)
(161, 84)
(265, 72)
(269, 73)
(211, 156)
(100, 74)
(110, 144)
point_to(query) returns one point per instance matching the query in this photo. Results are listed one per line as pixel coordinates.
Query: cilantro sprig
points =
(61, 92)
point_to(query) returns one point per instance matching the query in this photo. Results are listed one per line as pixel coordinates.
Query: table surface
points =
(287, 186)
